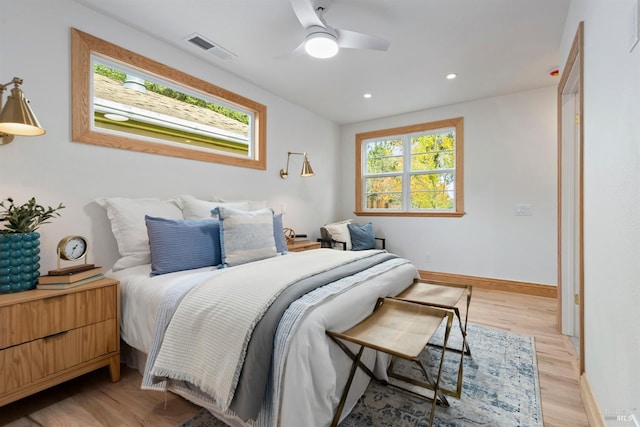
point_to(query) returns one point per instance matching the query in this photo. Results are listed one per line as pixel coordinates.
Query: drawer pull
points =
(55, 335)
(54, 296)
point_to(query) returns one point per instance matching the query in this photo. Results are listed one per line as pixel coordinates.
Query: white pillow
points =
(193, 208)
(254, 205)
(129, 228)
(340, 232)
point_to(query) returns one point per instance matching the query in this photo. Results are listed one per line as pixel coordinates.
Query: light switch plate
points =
(523, 210)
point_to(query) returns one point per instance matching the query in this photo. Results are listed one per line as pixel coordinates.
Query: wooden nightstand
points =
(302, 245)
(48, 337)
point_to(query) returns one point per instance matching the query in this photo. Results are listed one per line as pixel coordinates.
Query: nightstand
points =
(50, 336)
(302, 245)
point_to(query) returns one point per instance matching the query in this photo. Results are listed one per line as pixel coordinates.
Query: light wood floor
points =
(93, 400)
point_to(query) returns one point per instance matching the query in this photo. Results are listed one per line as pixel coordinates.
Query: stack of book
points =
(69, 278)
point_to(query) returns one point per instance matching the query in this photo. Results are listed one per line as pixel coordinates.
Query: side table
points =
(302, 245)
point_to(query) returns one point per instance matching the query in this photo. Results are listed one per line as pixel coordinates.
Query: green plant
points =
(25, 218)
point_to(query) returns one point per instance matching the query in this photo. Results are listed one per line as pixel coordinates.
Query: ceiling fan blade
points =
(295, 52)
(353, 40)
(306, 14)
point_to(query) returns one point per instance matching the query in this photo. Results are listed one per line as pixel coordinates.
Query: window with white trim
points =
(411, 171)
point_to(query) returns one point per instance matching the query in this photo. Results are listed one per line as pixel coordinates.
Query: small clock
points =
(72, 248)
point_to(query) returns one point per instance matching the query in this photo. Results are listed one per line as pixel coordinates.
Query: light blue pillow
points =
(178, 245)
(245, 236)
(362, 237)
(278, 234)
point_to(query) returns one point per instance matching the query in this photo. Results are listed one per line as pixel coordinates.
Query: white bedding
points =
(141, 296)
(314, 370)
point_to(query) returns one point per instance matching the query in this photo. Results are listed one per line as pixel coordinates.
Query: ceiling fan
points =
(324, 41)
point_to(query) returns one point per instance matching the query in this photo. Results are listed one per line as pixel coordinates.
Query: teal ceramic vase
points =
(19, 261)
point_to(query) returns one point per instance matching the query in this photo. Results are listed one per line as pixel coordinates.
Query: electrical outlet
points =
(427, 258)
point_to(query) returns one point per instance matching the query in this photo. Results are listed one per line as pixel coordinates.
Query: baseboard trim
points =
(594, 416)
(547, 291)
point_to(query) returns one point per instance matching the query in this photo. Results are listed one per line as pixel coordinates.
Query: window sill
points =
(410, 214)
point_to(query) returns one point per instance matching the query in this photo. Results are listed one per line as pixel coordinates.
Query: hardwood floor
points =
(93, 400)
(558, 364)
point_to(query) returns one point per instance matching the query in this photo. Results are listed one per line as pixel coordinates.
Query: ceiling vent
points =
(208, 46)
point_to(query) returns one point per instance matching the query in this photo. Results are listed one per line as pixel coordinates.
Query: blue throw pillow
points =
(362, 237)
(278, 234)
(245, 236)
(178, 245)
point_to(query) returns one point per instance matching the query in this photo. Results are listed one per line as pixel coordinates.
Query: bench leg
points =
(429, 384)
(352, 356)
(343, 399)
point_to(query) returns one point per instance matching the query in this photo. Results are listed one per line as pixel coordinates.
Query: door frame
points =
(575, 59)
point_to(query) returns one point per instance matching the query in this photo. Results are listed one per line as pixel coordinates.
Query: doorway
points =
(570, 196)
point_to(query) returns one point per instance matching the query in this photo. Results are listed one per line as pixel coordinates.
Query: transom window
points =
(135, 103)
(124, 100)
(411, 171)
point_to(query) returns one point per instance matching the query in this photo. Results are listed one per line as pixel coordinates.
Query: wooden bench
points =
(400, 329)
(445, 296)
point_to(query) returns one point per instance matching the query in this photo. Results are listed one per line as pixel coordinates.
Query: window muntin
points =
(415, 170)
(172, 114)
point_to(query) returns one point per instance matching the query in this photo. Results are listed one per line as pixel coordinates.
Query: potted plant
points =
(20, 243)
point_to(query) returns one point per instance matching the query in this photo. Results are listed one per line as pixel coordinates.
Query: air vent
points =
(201, 43)
(210, 47)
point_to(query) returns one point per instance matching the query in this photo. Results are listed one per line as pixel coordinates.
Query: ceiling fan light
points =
(321, 45)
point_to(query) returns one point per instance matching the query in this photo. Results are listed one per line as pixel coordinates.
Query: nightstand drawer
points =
(21, 365)
(26, 363)
(55, 313)
(70, 348)
(19, 323)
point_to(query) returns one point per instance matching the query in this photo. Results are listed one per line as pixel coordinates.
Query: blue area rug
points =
(500, 387)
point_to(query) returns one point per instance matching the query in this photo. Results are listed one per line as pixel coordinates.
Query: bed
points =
(192, 331)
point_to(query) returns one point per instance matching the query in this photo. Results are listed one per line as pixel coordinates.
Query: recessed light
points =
(367, 95)
(452, 76)
(116, 117)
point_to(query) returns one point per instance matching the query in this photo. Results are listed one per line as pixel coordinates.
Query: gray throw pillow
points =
(245, 236)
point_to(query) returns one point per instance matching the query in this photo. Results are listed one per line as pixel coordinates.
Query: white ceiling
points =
(495, 46)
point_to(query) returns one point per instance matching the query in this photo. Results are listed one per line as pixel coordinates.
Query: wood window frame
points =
(458, 211)
(84, 45)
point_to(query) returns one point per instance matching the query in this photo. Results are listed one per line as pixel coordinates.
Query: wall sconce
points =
(16, 118)
(306, 166)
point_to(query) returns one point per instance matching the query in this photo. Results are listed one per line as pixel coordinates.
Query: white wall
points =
(611, 202)
(509, 159)
(35, 45)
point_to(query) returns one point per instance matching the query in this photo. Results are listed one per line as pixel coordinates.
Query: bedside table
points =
(50, 336)
(302, 245)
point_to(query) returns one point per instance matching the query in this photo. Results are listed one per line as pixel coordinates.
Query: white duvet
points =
(310, 374)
